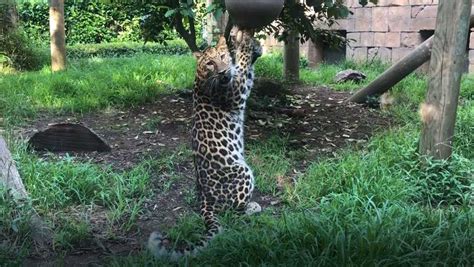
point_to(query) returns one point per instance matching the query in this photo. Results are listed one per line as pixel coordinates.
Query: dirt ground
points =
(315, 120)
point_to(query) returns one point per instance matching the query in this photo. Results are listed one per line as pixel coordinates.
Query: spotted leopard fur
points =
(224, 180)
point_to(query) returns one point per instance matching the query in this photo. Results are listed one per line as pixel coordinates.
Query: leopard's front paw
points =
(241, 36)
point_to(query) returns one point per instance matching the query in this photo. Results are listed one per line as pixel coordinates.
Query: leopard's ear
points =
(197, 54)
(222, 42)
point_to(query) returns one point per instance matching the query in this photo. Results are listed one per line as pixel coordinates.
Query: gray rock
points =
(349, 75)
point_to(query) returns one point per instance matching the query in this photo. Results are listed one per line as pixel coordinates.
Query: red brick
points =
(410, 39)
(471, 40)
(360, 54)
(399, 18)
(424, 11)
(387, 39)
(393, 3)
(380, 53)
(421, 2)
(418, 24)
(400, 2)
(380, 19)
(355, 36)
(355, 3)
(399, 53)
(349, 52)
(367, 39)
(379, 39)
(342, 24)
(363, 19)
(392, 39)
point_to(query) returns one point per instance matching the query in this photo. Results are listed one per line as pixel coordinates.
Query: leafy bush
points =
(90, 21)
(125, 49)
(17, 51)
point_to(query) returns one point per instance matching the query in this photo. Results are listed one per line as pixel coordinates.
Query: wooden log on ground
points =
(438, 113)
(68, 137)
(397, 71)
(10, 180)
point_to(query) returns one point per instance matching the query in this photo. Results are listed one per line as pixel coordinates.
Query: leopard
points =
(224, 181)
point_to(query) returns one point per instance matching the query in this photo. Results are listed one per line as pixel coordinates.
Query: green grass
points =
(376, 205)
(91, 84)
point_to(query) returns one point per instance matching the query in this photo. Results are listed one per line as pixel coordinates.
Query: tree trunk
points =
(398, 71)
(215, 27)
(292, 57)
(449, 48)
(11, 180)
(57, 34)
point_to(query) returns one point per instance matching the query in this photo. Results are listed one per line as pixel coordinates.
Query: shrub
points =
(109, 50)
(17, 51)
(89, 21)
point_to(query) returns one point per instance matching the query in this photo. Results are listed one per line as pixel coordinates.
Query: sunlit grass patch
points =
(271, 164)
(91, 84)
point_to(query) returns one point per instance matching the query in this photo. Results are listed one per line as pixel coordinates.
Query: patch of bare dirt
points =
(315, 120)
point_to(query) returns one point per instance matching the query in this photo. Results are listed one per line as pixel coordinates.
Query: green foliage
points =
(184, 16)
(94, 21)
(390, 170)
(66, 182)
(90, 84)
(16, 50)
(270, 164)
(14, 224)
(110, 50)
(70, 232)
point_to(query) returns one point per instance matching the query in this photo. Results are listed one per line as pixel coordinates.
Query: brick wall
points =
(386, 31)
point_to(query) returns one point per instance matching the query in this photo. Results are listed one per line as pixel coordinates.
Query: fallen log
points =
(398, 71)
(10, 180)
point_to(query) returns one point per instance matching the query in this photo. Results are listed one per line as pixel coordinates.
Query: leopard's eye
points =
(222, 56)
(210, 63)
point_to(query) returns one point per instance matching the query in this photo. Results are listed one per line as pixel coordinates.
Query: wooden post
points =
(438, 113)
(57, 34)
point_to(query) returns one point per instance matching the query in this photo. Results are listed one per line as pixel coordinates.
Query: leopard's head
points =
(213, 65)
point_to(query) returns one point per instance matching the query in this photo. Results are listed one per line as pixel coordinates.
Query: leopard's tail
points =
(160, 245)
